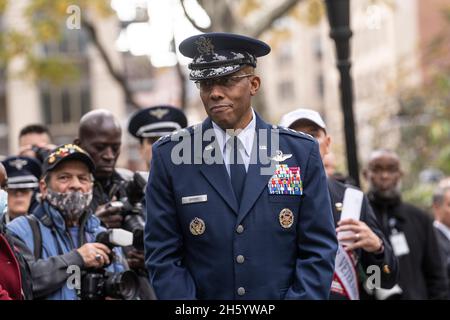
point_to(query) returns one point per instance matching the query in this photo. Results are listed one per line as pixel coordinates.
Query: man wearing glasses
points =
(61, 232)
(244, 213)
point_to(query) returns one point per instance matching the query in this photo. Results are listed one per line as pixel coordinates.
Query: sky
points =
(166, 19)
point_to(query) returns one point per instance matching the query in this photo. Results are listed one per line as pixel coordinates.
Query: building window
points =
(285, 54)
(320, 86)
(286, 91)
(64, 104)
(317, 48)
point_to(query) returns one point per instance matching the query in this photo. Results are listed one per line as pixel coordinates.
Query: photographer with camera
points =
(117, 193)
(62, 230)
(35, 142)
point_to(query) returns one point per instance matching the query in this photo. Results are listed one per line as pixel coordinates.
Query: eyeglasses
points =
(227, 82)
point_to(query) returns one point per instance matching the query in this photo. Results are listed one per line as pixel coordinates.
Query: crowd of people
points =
(269, 220)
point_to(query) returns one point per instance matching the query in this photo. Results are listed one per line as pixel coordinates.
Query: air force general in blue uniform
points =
(237, 215)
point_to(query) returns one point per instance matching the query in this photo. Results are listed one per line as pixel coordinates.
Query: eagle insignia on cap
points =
(204, 45)
(18, 163)
(159, 113)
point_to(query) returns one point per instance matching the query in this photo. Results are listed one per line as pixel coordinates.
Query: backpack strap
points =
(37, 236)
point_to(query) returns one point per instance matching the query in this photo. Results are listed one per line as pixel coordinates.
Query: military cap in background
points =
(156, 121)
(219, 54)
(23, 172)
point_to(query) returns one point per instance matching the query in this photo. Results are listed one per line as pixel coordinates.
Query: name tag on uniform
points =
(399, 244)
(194, 199)
(286, 180)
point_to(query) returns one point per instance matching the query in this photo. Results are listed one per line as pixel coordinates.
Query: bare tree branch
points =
(266, 21)
(192, 21)
(118, 76)
(181, 78)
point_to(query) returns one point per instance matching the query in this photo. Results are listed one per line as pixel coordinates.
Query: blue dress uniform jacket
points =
(244, 252)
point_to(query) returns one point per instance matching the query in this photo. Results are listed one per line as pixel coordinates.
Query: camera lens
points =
(123, 285)
(135, 224)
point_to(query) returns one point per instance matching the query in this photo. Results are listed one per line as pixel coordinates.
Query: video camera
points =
(96, 284)
(132, 210)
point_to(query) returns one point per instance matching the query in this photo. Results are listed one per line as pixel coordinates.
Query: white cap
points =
(289, 118)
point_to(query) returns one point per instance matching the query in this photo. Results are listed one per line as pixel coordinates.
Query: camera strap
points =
(37, 236)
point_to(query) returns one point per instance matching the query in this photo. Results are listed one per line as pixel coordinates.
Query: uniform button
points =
(240, 258)
(240, 228)
(241, 291)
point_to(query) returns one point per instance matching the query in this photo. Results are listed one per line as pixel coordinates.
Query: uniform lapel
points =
(216, 173)
(255, 181)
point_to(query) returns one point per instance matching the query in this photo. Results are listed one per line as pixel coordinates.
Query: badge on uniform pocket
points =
(197, 226)
(286, 180)
(286, 218)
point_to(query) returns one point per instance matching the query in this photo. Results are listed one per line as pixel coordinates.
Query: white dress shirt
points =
(443, 228)
(246, 137)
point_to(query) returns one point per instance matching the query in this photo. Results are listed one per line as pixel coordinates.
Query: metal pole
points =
(339, 18)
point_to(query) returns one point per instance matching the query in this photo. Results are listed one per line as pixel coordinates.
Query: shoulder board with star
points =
(176, 135)
(291, 132)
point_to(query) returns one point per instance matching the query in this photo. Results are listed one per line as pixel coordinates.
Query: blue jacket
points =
(49, 274)
(210, 247)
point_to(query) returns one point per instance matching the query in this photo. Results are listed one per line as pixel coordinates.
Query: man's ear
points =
(43, 187)
(327, 143)
(366, 174)
(77, 141)
(255, 83)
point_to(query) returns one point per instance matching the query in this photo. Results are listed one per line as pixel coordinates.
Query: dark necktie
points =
(237, 168)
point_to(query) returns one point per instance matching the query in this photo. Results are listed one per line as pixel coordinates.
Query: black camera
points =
(133, 220)
(96, 284)
(100, 284)
(41, 153)
(132, 210)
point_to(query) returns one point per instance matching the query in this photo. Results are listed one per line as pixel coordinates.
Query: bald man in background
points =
(410, 230)
(100, 134)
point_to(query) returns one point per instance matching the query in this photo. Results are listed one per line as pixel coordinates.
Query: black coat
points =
(444, 244)
(422, 274)
(386, 261)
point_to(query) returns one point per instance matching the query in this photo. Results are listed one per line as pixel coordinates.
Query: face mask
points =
(70, 204)
(3, 201)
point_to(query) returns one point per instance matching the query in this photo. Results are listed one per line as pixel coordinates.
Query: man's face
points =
(41, 140)
(19, 201)
(146, 149)
(3, 177)
(69, 176)
(384, 174)
(227, 99)
(322, 138)
(104, 148)
(329, 162)
(442, 211)
(34, 139)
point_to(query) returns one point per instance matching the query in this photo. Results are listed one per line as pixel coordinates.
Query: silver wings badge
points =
(159, 113)
(280, 157)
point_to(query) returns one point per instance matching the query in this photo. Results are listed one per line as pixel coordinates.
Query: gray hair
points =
(439, 194)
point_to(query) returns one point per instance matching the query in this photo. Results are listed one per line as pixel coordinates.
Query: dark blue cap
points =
(156, 121)
(219, 54)
(23, 172)
(67, 152)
